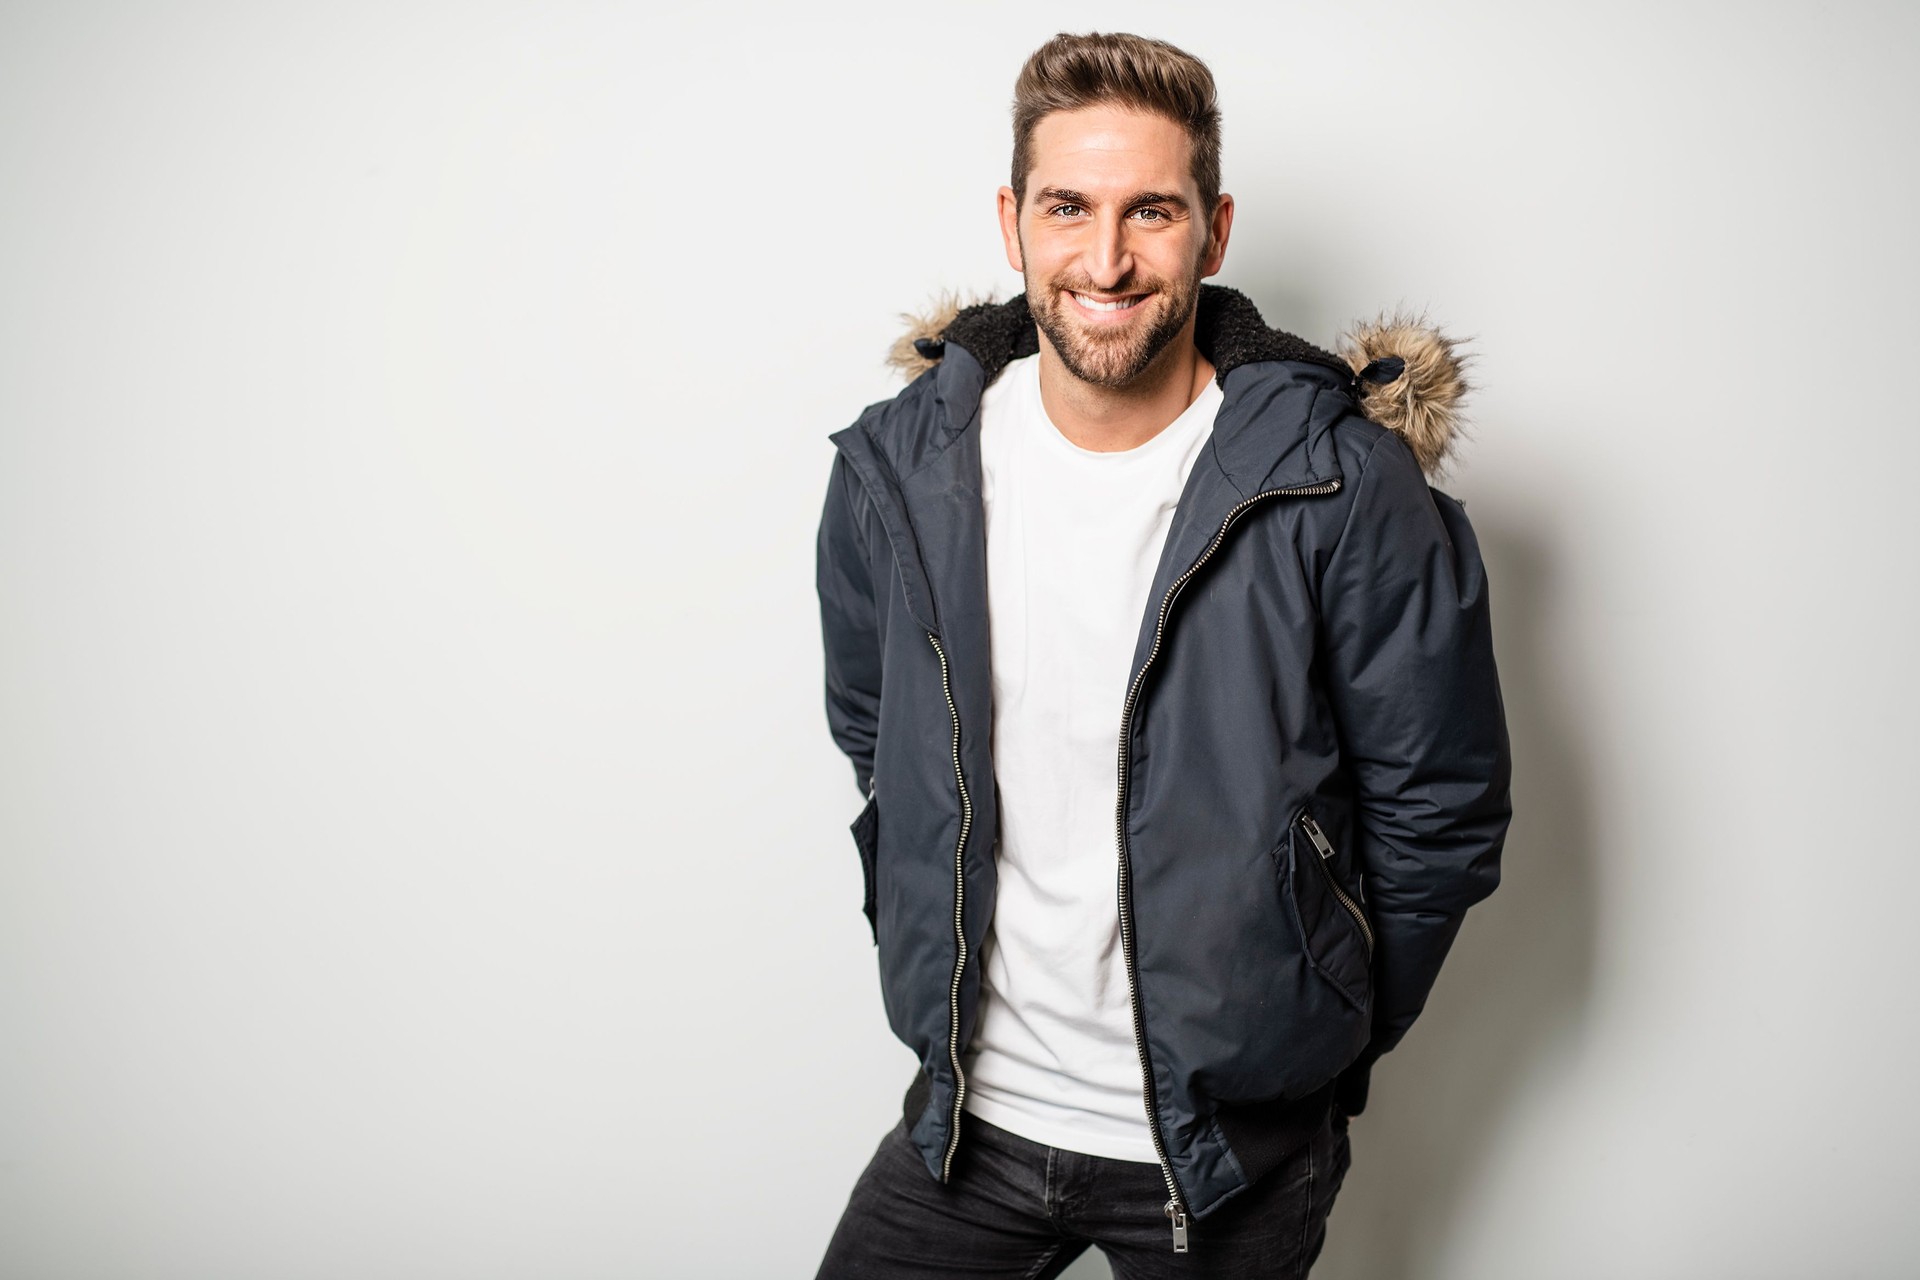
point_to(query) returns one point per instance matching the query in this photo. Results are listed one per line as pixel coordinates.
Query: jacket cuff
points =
(1350, 1086)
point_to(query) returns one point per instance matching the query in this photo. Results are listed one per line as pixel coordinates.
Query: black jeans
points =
(1021, 1210)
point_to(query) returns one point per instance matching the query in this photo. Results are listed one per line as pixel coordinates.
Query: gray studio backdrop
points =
(421, 850)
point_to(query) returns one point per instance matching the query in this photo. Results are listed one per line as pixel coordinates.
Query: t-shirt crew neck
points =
(1196, 415)
(1074, 537)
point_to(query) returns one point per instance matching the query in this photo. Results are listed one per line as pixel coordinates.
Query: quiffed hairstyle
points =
(1069, 72)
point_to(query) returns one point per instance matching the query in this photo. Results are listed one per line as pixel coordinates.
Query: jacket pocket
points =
(1334, 931)
(866, 837)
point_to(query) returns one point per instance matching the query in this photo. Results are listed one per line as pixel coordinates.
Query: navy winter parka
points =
(1313, 757)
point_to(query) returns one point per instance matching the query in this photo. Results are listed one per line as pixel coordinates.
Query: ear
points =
(1010, 229)
(1218, 228)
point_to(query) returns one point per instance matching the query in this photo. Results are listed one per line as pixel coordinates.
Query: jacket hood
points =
(1406, 373)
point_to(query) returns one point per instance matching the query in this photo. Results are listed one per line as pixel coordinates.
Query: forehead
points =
(1110, 149)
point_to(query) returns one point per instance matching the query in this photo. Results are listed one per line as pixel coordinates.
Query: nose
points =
(1109, 258)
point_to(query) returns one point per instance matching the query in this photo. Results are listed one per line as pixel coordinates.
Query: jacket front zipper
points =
(959, 929)
(1176, 1208)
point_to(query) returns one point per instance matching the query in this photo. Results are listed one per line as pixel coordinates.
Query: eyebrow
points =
(1137, 198)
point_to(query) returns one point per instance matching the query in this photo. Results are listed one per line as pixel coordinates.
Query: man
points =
(1169, 682)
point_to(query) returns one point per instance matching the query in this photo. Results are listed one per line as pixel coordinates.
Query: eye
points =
(1157, 214)
(1065, 208)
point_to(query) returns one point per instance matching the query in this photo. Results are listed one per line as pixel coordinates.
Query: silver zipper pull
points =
(1178, 1213)
(1318, 836)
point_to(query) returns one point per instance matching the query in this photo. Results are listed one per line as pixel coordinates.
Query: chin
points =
(1112, 358)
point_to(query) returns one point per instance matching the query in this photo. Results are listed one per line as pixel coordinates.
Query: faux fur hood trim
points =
(1406, 373)
(1421, 403)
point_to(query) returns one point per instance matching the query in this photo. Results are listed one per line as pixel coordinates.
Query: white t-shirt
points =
(1073, 539)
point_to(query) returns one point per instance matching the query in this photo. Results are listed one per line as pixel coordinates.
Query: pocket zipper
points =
(1325, 847)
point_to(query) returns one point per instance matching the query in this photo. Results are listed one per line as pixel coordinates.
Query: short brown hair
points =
(1069, 72)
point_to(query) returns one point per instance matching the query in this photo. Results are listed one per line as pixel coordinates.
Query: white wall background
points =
(421, 849)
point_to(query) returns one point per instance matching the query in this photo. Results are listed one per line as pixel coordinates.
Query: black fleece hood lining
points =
(1227, 329)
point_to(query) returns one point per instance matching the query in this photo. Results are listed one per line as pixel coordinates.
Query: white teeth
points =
(1121, 305)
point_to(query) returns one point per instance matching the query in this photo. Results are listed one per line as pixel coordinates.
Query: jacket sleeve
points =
(1416, 701)
(848, 624)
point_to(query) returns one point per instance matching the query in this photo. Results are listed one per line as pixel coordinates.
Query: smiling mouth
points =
(1107, 307)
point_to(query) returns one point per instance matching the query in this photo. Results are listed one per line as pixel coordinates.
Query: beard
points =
(1112, 356)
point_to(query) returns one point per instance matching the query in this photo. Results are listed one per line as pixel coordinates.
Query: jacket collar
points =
(919, 454)
(1269, 380)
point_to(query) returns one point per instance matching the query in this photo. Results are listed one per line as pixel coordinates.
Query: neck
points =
(1111, 419)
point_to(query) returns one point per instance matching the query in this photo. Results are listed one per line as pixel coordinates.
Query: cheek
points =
(1046, 259)
(1173, 261)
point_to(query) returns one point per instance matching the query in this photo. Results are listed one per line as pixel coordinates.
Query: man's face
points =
(1111, 239)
